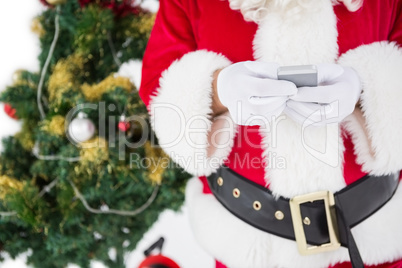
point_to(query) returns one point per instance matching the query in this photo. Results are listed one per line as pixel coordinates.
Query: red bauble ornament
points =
(124, 126)
(158, 261)
(10, 111)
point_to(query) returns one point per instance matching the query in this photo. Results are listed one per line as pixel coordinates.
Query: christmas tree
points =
(84, 174)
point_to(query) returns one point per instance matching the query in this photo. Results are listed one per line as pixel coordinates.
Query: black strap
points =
(158, 244)
(353, 204)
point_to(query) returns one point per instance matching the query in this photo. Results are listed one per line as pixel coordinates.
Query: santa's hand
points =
(331, 101)
(251, 92)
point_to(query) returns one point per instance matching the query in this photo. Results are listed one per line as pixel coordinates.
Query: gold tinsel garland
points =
(94, 151)
(158, 162)
(26, 137)
(64, 76)
(93, 155)
(95, 92)
(54, 126)
(19, 81)
(8, 184)
(147, 23)
(37, 28)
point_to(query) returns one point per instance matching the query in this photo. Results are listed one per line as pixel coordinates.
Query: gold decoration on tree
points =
(147, 23)
(17, 77)
(55, 126)
(158, 161)
(8, 184)
(64, 76)
(18, 80)
(95, 92)
(141, 26)
(56, 2)
(37, 28)
(94, 151)
(25, 137)
(64, 79)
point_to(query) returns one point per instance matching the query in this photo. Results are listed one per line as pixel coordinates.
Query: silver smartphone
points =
(300, 75)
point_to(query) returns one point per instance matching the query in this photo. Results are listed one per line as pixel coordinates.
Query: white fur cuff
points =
(376, 132)
(181, 114)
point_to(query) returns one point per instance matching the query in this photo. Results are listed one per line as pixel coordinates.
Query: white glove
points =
(251, 92)
(331, 101)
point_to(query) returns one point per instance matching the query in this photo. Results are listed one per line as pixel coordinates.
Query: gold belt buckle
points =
(300, 235)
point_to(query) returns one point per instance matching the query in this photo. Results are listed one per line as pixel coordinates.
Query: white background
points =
(19, 48)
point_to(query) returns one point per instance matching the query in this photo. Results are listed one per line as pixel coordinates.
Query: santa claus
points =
(286, 176)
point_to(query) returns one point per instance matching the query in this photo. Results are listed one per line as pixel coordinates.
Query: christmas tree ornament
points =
(81, 128)
(10, 111)
(83, 42)
(123, 125)
(55, 2)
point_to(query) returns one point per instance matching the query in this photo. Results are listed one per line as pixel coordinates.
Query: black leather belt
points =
(320, 219)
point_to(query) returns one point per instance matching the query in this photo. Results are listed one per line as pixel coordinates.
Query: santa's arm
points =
(177, 87)
(376, 127)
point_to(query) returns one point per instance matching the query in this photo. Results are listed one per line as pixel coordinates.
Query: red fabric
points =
(171, 37)
(158, 260)
(396, 33)
(375, 21)
(220, 265)
(205, 188)
(397, 264)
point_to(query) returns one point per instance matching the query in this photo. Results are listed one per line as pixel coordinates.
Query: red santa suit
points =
(192, 39)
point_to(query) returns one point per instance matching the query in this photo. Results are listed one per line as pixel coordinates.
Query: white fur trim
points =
(181, 114)
(377, 133)
(239, 245)
(313, 156)
(308, 38)
(131, 70)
